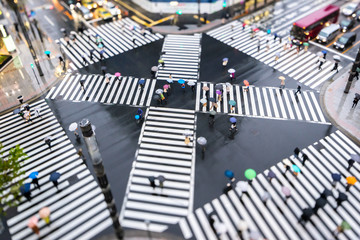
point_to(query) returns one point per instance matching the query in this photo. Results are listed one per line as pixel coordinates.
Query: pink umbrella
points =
(218, 92)
(166, 86)
(117, 74)
(45, 214)
(246, 82)
(286, 191)
(33, 221)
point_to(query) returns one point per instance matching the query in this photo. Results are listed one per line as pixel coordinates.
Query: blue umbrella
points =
(271, 174)
(137, 117)
(25, 188)
(47, 52)
(102, 51)
(296, 168)
(324, 51)
(33, 175)
(225, 59)
(54, 176)
(17, 110)
(233, 120)
(336, 177)
(229, 174)
(141, 81)
(181, 81)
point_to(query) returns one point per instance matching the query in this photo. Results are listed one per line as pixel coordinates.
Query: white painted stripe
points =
(274, 103)
(268, 110)
(295, 104)
(185, 229)
(150, 96)
(303, 107)
(281, 103)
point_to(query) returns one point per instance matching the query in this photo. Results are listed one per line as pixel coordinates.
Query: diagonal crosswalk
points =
(78, 210)
(278, 219)
(263, 102)
(122, 90)
(162, 151)
(117, 37)
(181, 54)
(303, 67)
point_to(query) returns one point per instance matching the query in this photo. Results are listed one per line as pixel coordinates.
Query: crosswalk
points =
(303, 67)
(117, 37)
(278, 219)
(262, 102)
(162, 151)
(122, 90)
(181, 55)
(79, 210)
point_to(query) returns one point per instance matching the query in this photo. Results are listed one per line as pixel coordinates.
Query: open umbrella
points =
(266, 196)
(277, 54)
(44, 212)
(286, 191)
(242, 185)
(25, 188)
(229, 173)
(271, 174)
(212, 99)
(232, 102)
(33, 175)
(342, 197)
(203, 100)
(187, 132)
(307, 213)
(100, 45)
(254, 235)
(160, 61)
(225, 59)
(246, 83)
(287, 162)
(181, 81)
(351, 180)
(296, 168)
(205, 88)
(250, 174)
(218, 92)
(336, 177)
(141, 81)
(33, 221)
(117, 74)
(242, 225)
(324, 52)
(232, 120)
(54, 176)
(156, 97)
(336, 58)
(320, 203)
(320, 54)
(231, 70)
(102, 52)
(154, 68)
(326, 193)
(17, 110)
(282, 78)
(159, 91)
(73, 126)
(306, 44)
(202, 141)
(218, 86)
(169, 80)
(191, 83)
(355, 157)
(345, 225)
(166, 86)
(212, 112)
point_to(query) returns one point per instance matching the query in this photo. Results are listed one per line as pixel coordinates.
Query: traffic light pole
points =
(92, 146)
(14, 6)
(353, 72)
(199, 15)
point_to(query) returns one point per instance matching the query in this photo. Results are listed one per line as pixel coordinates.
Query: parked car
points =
(84, 12)
(102, 13)
(357, 15)
(346, 24)
(345, 41)
(114, 10)
(327, 34)
(350, 8)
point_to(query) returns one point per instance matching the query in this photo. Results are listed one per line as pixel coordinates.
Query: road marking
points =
(68, 15)
(47, 19)
(351, 47)
(355, 28)
(333, 51)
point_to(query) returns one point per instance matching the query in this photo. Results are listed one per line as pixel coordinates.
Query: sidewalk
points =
(338, 106)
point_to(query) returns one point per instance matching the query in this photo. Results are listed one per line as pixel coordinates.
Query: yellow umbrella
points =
(351, 180)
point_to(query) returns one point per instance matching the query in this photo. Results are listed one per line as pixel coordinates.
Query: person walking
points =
(56, 183)
(81, 155)
(37, 112)
(357, 75)
(84, 62)
(233, 129)
(232, 76)
(304, 158)
(265, 197)
(48, 142)
(82, 87)
(298, 90)
(35, 181)
(267, 45)
(152, 181)
(243, 26)
(61, 60)
(336, 65)
(258, 46)
(322, 60)
(355, 102)
(91, 54)
(32, 224)
(282, 83)
(133, 39)
(107, 79)
(161, 179)
(296, 152)
(67, 40)
(275, 37)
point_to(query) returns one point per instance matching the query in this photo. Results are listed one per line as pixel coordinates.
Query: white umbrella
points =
(320, 54)
(242, 225)
(231, 70)
(254, 235)
(159, 91)
(203, 100)
(287, 162)
(228, 84)
(265, 196)
(242, 185)
(220, 228)
(73, 126)
(201, 141)
(336, 58)
(187, 132)
(191, 83)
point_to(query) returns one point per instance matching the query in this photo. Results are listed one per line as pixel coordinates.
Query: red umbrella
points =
(246, 82)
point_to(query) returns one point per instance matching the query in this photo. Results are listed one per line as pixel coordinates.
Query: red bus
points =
(309, 26)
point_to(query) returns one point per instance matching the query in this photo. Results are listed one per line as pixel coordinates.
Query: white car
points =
(349, 9)
(111, 8)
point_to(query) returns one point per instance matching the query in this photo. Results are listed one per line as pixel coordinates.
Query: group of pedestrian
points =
(160, 178)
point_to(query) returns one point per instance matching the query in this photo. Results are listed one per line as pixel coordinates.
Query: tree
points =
(11, 177)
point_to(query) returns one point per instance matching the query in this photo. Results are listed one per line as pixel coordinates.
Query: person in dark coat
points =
(296, 152)
(35, 181)
(304, 157)
(355, 102)
(336, 65)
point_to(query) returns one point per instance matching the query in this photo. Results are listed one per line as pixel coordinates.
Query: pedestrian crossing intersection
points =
(181, 55)
(262, 102)
(162, 152)
(117, 37)
(278, 217)
(121, 90)
(303, 67)
(78, 210)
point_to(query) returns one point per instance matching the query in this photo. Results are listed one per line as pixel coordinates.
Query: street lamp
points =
(94, 152)
(199, 20)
